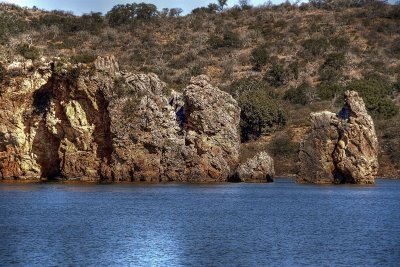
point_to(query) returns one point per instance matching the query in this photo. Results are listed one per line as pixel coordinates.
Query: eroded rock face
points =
(260, 168)
(340, 148)
(77, 122)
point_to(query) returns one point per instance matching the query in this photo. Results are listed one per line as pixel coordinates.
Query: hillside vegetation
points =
(280, 62)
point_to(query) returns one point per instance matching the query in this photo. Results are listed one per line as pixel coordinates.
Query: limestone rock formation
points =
(99, 123)
(260, 168)
(340, 148)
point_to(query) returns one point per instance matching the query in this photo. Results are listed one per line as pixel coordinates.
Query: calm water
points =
(279, 224)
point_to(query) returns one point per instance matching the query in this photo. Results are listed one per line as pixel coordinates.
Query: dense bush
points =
(66, 22)
(329, 91)
(277, 75)
(303, 94)
(28, 52)
(259, 57)
(229, 39)
(339, 43)
(11, 25)
(375, 92)
(260, 114)
(316, 46)
(124, 14)
(92, 22)
(120, 15)
(331, 69)
(211, 8)
(84, 58)
(248, 84)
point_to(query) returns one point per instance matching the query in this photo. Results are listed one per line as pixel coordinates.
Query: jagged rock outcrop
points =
(341, 148)
(99, 123)
(259, 168)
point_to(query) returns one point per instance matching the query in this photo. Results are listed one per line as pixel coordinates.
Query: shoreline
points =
(89, 182)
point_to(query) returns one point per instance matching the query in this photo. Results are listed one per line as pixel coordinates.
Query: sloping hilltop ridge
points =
(340, 148)
(95, 122)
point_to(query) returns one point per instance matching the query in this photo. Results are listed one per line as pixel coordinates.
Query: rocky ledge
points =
(259, 168)
(95, 122)
(340, 148)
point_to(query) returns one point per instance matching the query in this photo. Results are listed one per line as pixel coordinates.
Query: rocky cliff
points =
(340, 148)
(95, 122)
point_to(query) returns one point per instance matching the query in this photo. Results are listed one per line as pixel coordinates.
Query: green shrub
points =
(375, 92)
(248, 84)
(331, 69)
(277, 76)
(259, 57)
(183, 61)
(229, 39)
(267, 30)
(28, 52)
(303, 94)
(124, 14)
(339, 43)
(92, 22)
(11, 25)
(260, 114)
(211, 8)
(84, 58)
(120, 15)
(328, 91)
(316, 46)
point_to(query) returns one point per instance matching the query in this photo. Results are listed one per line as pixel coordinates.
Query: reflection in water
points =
(279, 224)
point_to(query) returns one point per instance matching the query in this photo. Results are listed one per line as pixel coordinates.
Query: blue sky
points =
(85, 6)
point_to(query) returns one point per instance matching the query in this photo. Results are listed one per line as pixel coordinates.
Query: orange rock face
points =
(76, 122)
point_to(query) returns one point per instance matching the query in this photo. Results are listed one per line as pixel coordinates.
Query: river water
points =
(278, 224)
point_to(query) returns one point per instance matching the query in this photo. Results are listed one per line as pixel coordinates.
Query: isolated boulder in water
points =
(259, 168)
(340, 148)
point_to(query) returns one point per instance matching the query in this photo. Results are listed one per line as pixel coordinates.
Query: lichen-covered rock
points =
(76, 122)
(211, 129)
(260, 168)
(341, 148)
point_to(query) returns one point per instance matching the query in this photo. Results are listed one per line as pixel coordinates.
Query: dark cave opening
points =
(45, 147)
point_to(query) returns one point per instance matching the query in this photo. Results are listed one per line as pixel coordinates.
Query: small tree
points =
(277, 75)
(259, 57)
(222, 3)
(145, 11)
(260, 114)
(175, 12)
(244, 4)
(303, 94)
(332, 67)
(120, 14)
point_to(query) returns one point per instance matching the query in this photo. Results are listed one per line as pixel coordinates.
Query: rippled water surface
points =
(278, 224)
